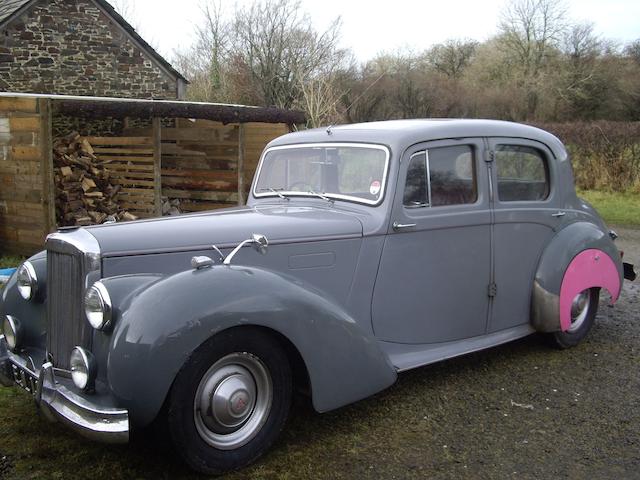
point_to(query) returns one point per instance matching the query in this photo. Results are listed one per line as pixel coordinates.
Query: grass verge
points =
(614, 207)
(8, 261)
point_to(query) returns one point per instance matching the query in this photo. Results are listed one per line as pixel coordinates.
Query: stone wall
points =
(72, 47)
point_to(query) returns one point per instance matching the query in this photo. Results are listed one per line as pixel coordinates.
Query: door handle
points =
(399, 226)
(558, 214)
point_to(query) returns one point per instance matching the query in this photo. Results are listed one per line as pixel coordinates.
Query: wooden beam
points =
(157, 166)
(208, 111)
(48, 184)
(240, 168)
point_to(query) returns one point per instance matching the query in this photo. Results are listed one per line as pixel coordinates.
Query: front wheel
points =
(230, 401)
(583, 314)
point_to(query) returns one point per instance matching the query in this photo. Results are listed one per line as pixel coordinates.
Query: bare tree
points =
(580, 43)
(531, 29)
(530, 33)
(452, 57)
(279, 45)
(320, 98)
(633, 50)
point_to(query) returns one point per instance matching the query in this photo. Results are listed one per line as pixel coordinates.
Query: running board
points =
(407, 356)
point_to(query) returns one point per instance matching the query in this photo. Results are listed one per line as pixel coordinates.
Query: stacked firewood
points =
(85, 194)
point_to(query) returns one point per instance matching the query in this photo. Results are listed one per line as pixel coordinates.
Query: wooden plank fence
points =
(203, 163)
(209, 165)
(130, 161)
(26, 183)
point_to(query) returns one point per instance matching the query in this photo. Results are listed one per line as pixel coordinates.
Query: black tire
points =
(182, 416)
(568, 339)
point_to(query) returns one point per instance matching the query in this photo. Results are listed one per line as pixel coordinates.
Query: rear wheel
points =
(583, 314)
(230, 400)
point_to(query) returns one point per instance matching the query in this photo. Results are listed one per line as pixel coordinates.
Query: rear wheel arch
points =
(567, 251)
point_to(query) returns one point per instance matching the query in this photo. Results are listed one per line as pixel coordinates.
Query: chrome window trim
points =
(428, 179)
(428, 167)
(337, 196)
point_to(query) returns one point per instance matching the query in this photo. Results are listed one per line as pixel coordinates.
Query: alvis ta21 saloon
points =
(378, 248)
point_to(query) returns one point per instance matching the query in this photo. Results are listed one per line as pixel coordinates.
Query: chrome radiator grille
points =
(66, 326)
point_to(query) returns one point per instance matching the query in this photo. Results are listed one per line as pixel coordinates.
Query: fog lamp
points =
(27, 281)
(12, 332)
(83, 369)
(97, 306)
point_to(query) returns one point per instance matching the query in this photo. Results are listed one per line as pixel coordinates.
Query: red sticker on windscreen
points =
(374, 189)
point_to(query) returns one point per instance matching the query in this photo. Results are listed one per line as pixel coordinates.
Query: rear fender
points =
(163, 323)
(580, 256)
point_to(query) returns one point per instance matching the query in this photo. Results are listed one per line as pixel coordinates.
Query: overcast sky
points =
(372, 26)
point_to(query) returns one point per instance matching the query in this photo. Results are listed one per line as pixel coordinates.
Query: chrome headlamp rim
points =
(84, 378)
(12, 332)
(104, 321)
(27, 292)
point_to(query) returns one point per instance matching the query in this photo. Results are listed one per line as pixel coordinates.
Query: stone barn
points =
(79, 47)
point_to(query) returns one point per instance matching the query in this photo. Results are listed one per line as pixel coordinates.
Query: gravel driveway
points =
(521, 410)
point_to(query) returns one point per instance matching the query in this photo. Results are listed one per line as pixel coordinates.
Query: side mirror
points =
(260, 243)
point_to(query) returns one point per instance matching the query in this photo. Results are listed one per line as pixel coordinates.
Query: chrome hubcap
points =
(579, 310)
(233, 401)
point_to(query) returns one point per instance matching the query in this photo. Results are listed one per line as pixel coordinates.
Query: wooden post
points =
(157, 166)
(48, 184)
(241, 164)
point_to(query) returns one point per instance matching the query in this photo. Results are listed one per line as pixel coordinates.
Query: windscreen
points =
(347, 172)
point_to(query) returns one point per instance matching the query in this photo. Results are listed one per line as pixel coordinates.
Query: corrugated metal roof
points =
(9, 7)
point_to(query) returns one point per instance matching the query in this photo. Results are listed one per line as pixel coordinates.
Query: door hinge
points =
(493, 290)
(490, 156)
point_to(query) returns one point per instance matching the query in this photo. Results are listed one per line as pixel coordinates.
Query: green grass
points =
(7, 261)
(614, 207)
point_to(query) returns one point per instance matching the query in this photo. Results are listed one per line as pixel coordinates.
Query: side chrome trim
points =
(57, 402)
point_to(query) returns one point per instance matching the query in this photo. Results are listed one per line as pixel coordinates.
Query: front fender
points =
(32, 313)
(580, 256)
(166, 321)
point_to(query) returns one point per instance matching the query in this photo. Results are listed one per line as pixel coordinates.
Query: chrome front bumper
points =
(57, 402)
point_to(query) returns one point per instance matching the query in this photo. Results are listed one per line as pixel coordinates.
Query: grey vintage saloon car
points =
(379, 248)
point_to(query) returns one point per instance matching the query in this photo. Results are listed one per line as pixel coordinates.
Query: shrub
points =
(605, 155)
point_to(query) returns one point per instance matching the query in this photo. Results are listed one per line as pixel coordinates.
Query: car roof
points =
(403, 133)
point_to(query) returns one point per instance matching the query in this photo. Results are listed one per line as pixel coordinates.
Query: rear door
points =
(436, 262)
(525, 214)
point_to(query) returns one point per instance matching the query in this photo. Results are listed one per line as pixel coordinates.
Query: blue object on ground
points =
(5, 273)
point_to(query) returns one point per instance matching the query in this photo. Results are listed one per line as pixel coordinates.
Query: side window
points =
(523, 173)
(441, 176)
(453, 176)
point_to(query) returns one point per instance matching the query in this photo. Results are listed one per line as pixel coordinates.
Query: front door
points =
(435, 270)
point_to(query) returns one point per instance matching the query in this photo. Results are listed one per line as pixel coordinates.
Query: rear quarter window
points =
(523, 173)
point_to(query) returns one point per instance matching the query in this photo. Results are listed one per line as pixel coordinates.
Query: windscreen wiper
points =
(320, 195)
(278, 193)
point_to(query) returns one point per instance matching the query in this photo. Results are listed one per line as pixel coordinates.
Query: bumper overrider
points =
(57, 402)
